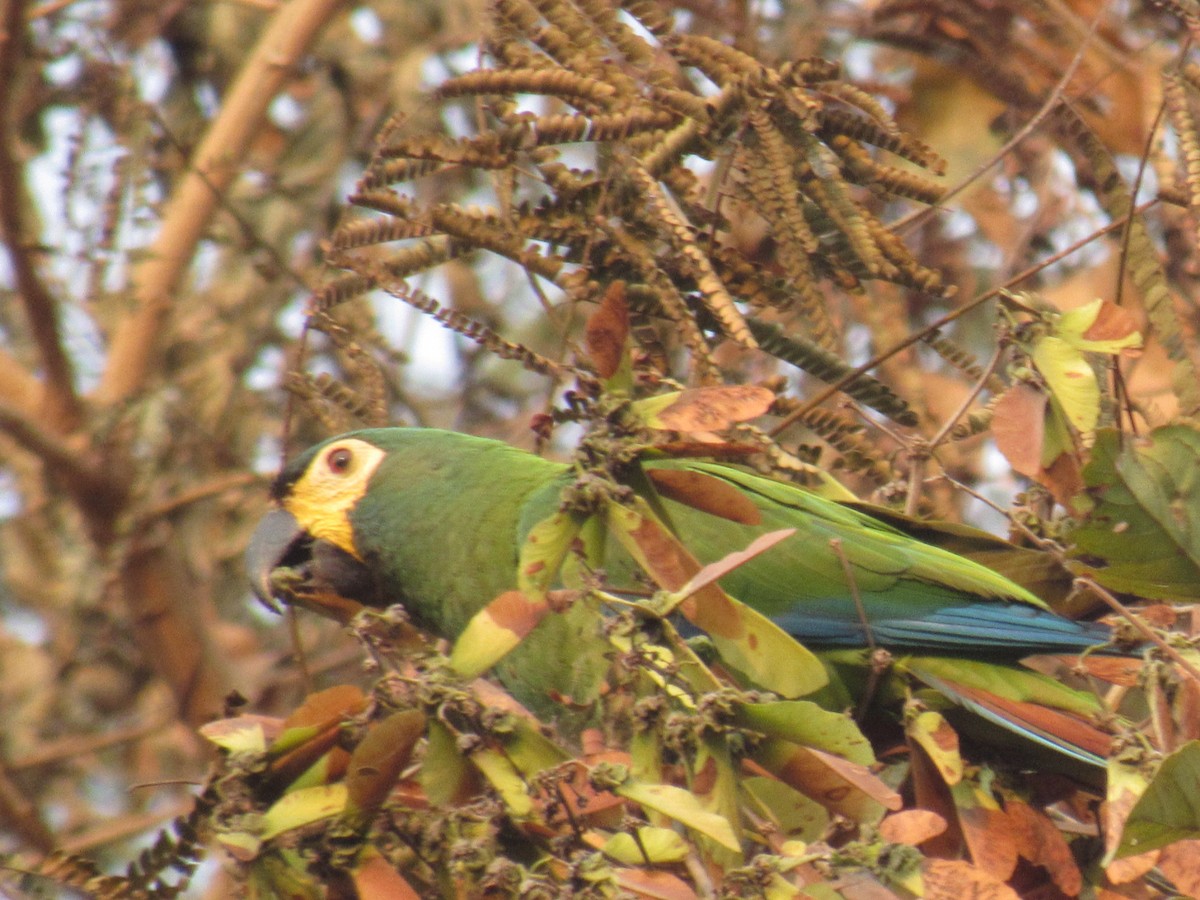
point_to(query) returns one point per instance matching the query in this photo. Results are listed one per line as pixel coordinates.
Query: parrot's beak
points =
(277, 536)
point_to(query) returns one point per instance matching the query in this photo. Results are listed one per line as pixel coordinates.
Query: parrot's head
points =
(304, 550)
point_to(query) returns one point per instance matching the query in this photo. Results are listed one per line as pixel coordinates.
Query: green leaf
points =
(807, 724)
(1143, 536)
(446, 775)
(797, 816)
(1169, 810)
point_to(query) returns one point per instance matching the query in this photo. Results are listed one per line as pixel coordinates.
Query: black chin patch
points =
(331, 569)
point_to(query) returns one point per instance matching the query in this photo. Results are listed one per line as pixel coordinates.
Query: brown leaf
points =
(1122, 670)
(1180, 862)
(726, 564)
(1187, 709)
(656, 885)
(607, 331)
(705, 493)
(1113, 323)
(1040, 842)
(381, 756)
(1063, 478)
(375, 879)
(933, 794)
(713, 408)
(1018, 425)
(862, 886)
(835, 783)
(327, 707)
(1131, 868)
(953, 879)
(912, 826)
(991, 839)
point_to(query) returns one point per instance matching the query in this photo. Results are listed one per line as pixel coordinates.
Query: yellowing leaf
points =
(682, 806)
(841, 786)
(652, 845)
(530, 751)
(303, 807)
(543, 553)
(940, 743)
(1071, 381)
(748, 641)
(319, 712)
(1100, 327)
(494, 631)
(499, 772)
(242, 734)
(706, 409)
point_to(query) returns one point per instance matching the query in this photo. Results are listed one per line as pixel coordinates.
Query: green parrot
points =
(435, 520)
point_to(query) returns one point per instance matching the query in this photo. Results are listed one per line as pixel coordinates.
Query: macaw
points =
(435, 520)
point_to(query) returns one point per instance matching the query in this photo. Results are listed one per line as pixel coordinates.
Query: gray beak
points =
(276, 535)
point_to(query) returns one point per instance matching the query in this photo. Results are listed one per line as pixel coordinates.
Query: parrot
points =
(435, 520)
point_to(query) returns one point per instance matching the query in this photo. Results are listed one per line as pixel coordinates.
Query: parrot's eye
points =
(338, 460)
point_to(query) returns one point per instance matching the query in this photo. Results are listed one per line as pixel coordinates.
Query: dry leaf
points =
(912, 826)
(714, 408)
(953, 879)
(607, 331)
(1018, 425)
(705, 493)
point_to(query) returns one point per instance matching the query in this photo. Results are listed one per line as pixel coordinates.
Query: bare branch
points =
(41, 308)
(138, 338)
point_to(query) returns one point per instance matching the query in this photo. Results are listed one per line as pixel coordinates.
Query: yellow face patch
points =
(321, 498)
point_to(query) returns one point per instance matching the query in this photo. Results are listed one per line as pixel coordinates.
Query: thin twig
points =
(1142, 628)
(945, 320)
(76, 746)
(79, 475)
(970, 398)
(1052, 101)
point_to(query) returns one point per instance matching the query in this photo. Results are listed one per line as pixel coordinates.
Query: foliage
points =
(650, 224)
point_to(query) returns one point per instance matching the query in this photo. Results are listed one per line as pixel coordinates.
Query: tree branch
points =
(41, 309)
(139, 337)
